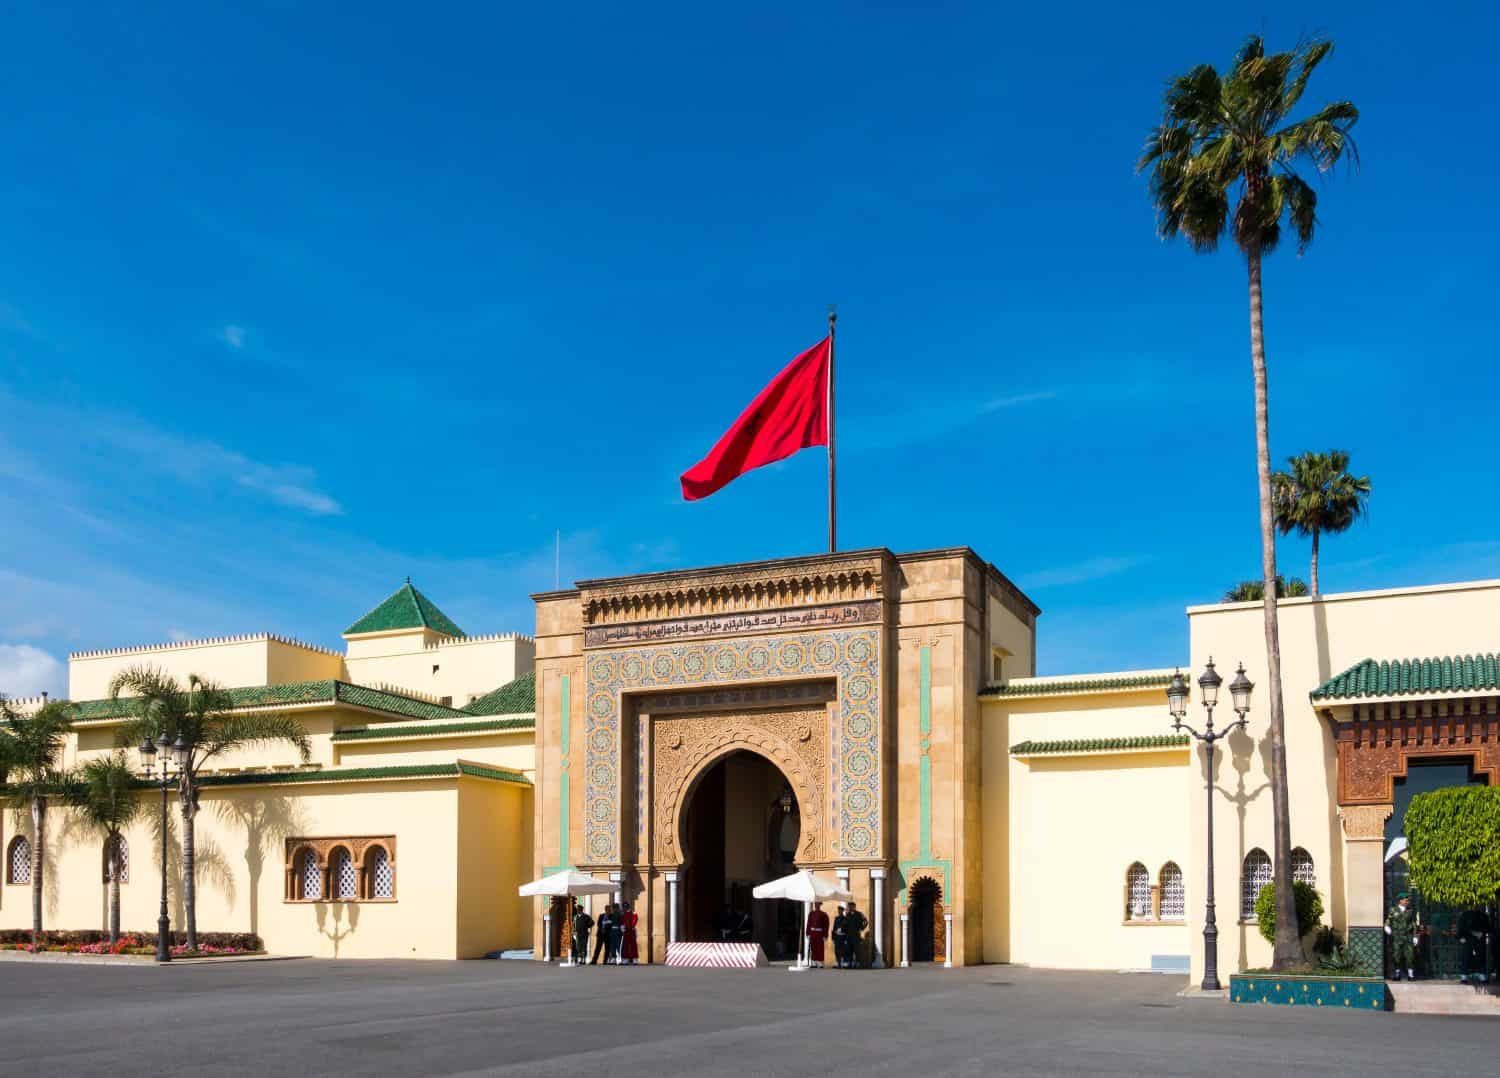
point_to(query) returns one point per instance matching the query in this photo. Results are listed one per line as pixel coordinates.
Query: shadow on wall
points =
(1241, 747)
(330, 914)
(1338, 912)
(267, 822)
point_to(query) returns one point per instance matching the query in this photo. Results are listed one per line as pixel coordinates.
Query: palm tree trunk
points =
(1313, 571)
(189, 863)
(1288, 947)
(38, 844)
(114, 889)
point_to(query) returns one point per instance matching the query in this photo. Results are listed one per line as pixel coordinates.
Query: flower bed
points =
(93, 942)
(1310, 990)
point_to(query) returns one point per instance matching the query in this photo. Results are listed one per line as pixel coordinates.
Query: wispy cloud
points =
(1082, 572)
(234, 336)
(1020, 398)
(27, 671)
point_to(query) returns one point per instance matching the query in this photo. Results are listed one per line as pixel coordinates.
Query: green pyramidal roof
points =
(407, 608)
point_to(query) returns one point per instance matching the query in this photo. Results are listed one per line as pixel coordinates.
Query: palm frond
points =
(231, 730)
(1310, 55)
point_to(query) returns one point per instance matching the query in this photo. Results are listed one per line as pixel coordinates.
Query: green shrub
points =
(1327, 941)
(1340, 960)
(1453, 844)
(1309, 909)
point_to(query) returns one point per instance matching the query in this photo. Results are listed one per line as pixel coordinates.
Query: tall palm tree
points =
(203, 715)
(104, 791)
(1226, 139)
(1252, 591)
(31, 753)
(1318, 495)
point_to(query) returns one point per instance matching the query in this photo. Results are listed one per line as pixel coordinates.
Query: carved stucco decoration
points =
(687, 747)
(1372, 756)
(1365, 821)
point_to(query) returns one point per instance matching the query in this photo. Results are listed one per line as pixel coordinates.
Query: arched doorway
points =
(740, 828)
(925, 920)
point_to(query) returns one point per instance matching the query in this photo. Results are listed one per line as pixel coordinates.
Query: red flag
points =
(791, 413)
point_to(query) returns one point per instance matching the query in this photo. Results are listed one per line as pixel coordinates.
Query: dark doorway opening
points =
(741, 828)
(924, 910)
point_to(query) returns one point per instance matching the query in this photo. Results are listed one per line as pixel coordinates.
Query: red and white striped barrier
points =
(715, 955)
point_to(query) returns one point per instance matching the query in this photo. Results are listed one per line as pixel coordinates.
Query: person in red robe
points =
(629, 949)
(817, 933)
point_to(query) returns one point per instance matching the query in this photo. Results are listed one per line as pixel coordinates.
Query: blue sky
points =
(297, 302)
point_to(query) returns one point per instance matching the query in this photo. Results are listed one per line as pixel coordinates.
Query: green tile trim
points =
(516, 697)
(289, 695)
(382, 733)
(405, 608)
(1407, 677)
(1059, 688)
(362, 774)
(1101, 744)
(563, 784)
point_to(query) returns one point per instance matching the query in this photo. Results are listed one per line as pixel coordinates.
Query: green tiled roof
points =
(407, 608)
(1101, 744)
(358, 774)
(432, 730)
(1049, 688)
(1405, 677)
(516, 697)
(296, 692)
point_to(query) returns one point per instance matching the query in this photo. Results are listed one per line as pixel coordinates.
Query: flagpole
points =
(833, 499)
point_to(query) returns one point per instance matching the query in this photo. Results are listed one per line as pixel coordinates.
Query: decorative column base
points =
(905, 940)
(948, 955)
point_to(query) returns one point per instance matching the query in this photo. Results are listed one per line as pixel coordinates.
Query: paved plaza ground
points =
(305, 1017)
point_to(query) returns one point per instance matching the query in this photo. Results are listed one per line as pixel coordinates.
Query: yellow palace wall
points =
(1061, 829)
(461, 845)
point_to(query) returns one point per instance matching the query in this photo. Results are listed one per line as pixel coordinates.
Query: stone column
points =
(905, 940)
(877, 919)
(1364, 880)
(547, 933)
(671, 877)
(948, 925)
(615, 878)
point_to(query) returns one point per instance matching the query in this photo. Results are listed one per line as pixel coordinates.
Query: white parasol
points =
(569, 883)
(805, 887)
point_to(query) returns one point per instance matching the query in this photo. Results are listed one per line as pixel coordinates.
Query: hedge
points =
(1453, 845)
(240, 941)
(1309, 909)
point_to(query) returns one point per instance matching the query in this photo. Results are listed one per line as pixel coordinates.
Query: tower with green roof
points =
(404, 612)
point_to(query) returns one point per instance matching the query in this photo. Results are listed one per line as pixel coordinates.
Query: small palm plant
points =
(202, 715)
(1317, 496)
(31, 752)
(104, 791)
(1253, 591)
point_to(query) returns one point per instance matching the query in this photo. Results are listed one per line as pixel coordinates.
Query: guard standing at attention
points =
(840, 940)
(582, 922)
(601, 940)
(817, 933)
(854, 932)
(1401, 926)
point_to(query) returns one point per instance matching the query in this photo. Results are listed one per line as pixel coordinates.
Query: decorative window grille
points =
(312, 876)
(1138, 893)
(382, 879)
(19, 868)
(344, 878)
(121, 849)
(1173, 894)
(1302, 868)
(1257, 874)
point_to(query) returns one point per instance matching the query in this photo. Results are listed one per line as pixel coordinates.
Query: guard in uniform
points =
(817, 933)
(1474, 938)
(601, 940)
(1401, 927)
(582, 923)
(840, 940)
(854, 932)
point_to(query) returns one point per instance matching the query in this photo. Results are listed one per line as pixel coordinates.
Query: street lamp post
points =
(157, 765)
(1177, 696)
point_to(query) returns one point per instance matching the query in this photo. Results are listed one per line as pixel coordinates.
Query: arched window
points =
(1138, 893)
(1173, 895)
(1256, 875)
(307, 878)
(121, 849)
(18, 861)
(380, 874)
(1302, 868)
(342, 878)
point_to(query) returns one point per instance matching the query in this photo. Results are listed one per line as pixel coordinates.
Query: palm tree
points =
(1226, 139)
(104, 791)
(204, 716)
(1318, 495)
(31, 750)
(1251, 591)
